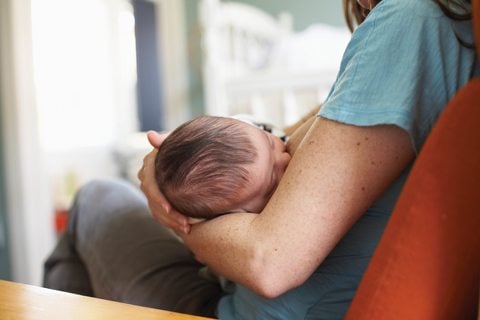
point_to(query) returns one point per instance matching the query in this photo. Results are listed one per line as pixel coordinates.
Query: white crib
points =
(254, 63)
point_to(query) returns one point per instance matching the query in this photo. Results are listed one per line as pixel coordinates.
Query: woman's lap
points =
(113, 243)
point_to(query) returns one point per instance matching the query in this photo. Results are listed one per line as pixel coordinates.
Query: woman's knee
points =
(110, 194)
(101, 188)
(100, 203)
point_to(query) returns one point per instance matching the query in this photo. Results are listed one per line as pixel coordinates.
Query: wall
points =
(304, 12)
(4, 254)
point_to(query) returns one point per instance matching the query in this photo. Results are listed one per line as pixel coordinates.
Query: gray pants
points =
(114, 249)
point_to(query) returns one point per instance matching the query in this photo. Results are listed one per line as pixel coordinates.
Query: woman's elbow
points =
(269, 281)
(270, 289)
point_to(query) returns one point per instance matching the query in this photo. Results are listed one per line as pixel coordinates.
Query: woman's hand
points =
(162, 210)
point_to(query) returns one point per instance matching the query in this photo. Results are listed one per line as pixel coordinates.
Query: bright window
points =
(84, 68)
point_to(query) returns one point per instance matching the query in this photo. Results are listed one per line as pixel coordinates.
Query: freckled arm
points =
(337, 172)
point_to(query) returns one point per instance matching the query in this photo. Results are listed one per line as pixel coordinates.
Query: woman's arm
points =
(162, 211)
(337, 172)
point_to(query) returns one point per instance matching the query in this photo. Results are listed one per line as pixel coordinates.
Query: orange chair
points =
(427, 264)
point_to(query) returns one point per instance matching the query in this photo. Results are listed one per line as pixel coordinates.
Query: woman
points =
(304, 254)
(395, 78)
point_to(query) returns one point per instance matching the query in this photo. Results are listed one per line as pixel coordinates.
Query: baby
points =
(211, 166)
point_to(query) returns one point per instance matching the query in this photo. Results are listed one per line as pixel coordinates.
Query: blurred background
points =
(82, 80)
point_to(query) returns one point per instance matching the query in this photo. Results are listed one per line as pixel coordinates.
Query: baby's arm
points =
(290, 130)
(297, 131)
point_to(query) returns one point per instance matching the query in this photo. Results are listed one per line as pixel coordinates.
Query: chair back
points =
(427, 263)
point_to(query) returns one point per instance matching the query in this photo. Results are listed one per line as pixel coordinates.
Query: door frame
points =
(26, 195)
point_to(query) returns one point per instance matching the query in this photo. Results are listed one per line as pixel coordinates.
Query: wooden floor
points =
(25, 302)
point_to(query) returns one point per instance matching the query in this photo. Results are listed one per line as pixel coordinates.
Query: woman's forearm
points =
(336, 174)
(229, 246)
(234, 247)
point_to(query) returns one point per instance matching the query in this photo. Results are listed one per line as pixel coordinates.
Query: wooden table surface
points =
(26, 302)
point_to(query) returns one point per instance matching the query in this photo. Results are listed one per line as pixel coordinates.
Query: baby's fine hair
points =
(200, 167)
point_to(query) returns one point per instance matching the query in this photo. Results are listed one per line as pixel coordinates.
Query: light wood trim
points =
(26, 302)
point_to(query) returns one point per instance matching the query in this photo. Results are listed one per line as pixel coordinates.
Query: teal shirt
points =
(401, 67)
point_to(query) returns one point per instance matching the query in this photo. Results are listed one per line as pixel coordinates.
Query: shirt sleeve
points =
(402, 65)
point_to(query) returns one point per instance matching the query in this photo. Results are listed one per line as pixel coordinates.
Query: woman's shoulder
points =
(406, 17)
(411, 8)
(421, 17)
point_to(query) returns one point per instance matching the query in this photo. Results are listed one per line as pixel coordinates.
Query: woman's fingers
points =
(170, 218)
(161, 209)
(156, 138)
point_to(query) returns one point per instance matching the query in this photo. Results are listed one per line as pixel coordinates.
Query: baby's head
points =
(213, 165)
